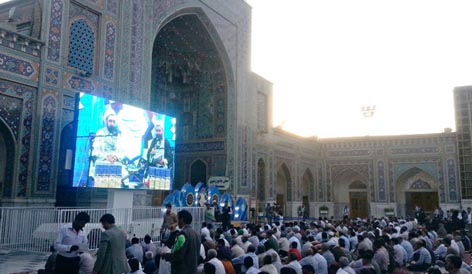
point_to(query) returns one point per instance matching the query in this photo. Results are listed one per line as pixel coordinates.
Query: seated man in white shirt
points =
(134, 265)
(293, 263)
(135, 250)
(421, 258)
(219, 267)
(86, 263)
(441, 250)
(251, 253)
(308, 269)
(249, 264)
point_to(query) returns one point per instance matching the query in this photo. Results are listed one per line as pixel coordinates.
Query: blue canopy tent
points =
(173, 198)
(200, 186)
(240, 210)
(201, 194)
(213, 195)
(226, 198)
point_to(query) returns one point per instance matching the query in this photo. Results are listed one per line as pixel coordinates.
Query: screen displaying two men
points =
(121, 146)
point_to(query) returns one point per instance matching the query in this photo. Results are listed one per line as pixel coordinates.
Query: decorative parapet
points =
(349, 153)
(414, 150)
(369, 142)
(20, 42)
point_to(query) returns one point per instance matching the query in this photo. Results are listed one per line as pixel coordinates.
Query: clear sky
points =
(329, 58)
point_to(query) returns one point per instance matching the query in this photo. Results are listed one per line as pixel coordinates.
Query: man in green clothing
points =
(184, 254)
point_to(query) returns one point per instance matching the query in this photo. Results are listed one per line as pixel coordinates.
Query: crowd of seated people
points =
(437, 244)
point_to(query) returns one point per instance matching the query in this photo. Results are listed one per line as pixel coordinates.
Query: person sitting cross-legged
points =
(421, 260)
(134, 265)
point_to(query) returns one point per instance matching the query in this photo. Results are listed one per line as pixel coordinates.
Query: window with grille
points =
(81, 46)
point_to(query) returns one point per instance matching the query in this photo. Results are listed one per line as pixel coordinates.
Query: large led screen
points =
(122, 146)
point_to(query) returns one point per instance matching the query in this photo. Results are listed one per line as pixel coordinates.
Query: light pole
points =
(368, 111)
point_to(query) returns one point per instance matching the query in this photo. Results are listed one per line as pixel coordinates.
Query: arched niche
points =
(261, 181)
(198, 172)
(7, 160)
(342, 184)
(416, 187)
(282, 188)
(308, 184)
(189, 81)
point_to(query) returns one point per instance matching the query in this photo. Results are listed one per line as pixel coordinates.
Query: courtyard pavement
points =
(21, 262)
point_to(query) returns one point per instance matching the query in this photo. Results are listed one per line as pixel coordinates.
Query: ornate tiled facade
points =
(55, 30)
(451, 179)
(136, 45)
(17, 101)
(52, 76)
(112, 6)
(381, 181)
(18, 66)
(46, 148)
(110, 41)
(190, 58)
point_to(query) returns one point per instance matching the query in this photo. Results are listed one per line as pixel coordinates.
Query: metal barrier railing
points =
(35, 229)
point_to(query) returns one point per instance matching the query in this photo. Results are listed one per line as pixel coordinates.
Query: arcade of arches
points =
(414, 187)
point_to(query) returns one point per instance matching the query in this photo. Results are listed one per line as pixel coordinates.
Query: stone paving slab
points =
(22, 262)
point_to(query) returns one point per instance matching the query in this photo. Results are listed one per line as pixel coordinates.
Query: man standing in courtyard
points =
(185, 252)
(269, 213)
(111, 258)
(69, 239)
(345, 212)
(226, 217)
(169, 222)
